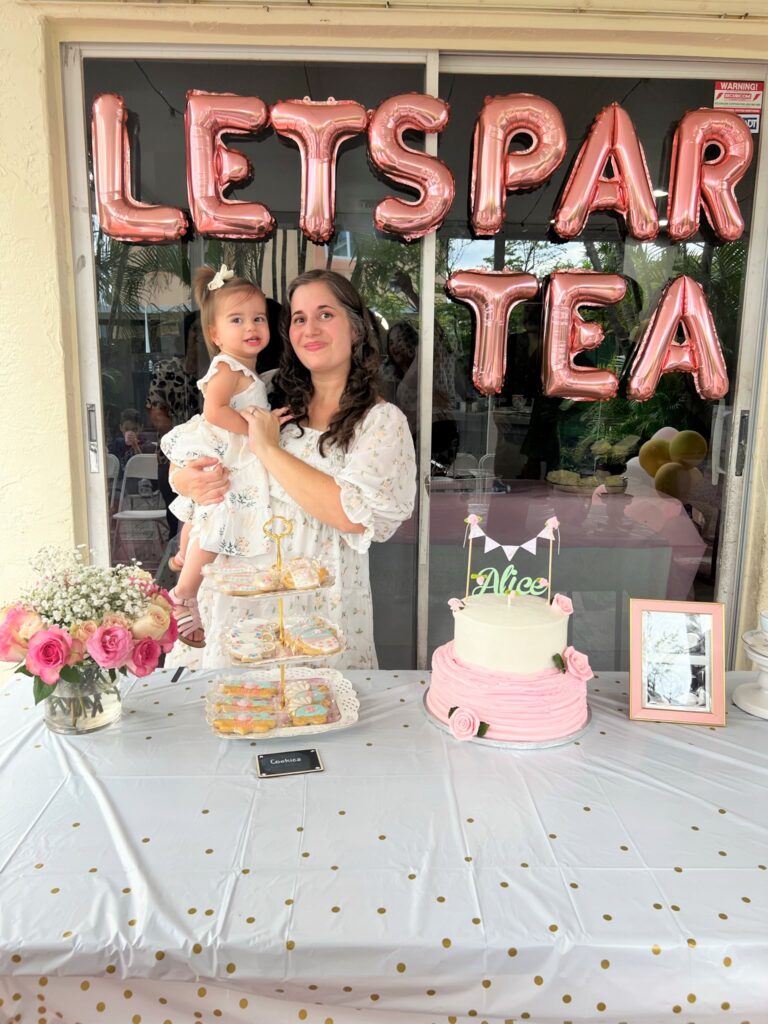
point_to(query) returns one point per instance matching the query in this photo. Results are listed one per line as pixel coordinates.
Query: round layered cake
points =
(509, 675)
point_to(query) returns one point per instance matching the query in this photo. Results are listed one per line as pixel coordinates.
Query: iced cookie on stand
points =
(316, 637)
(252, 640)
(303, 574)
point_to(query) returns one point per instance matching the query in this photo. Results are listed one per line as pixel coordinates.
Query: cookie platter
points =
(244, 717)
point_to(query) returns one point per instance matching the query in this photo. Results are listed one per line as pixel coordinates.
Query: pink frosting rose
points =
(464, 724)
(19, 625)
(145, 657)
(563, 604)
(110, 646)
(48, 653)
(577, 664)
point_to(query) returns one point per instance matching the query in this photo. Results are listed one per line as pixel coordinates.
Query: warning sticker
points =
(739, 97)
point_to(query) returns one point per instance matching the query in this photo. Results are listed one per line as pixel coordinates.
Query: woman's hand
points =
(264, 428)
(206, 481)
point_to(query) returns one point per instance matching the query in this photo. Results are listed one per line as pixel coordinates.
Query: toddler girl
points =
(233, 315)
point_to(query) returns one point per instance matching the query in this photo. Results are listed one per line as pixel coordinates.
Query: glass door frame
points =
(754, 321)
(755, 300)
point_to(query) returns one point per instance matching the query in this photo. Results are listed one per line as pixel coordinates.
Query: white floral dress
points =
(377, 476)
(235, 525)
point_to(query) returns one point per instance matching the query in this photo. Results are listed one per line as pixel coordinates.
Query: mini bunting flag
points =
(476, 531)
(510, 550)
(530, 545)
(490, 544)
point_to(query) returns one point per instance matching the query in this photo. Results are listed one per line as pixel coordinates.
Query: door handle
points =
(92, 429)
(741, 445)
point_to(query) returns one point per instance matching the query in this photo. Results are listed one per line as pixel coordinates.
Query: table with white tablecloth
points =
(148, 876)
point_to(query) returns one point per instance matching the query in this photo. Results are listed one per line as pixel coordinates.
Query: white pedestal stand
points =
(753, 697)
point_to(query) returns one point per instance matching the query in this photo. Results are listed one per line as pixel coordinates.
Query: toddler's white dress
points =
(236, 525)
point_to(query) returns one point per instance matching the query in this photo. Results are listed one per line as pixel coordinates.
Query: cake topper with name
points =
(489, 580)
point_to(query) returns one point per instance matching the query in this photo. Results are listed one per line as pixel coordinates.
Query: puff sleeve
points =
(378, 478)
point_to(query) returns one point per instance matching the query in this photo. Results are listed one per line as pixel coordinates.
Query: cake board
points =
(511, 744)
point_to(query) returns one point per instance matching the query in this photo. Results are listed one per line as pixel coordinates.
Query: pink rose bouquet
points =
(82, 625)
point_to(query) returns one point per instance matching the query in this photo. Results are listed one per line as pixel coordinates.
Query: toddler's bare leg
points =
(191, 572)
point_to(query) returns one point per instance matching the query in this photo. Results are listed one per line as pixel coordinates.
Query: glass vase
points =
(90, 704)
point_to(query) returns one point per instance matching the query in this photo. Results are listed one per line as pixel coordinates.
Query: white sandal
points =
(187, 614)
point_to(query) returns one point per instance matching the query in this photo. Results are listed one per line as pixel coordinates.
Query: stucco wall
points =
(43, 471)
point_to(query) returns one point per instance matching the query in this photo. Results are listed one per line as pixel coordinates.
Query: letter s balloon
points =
(430, 176)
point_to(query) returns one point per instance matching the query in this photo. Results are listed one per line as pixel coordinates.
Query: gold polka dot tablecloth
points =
(148, 876)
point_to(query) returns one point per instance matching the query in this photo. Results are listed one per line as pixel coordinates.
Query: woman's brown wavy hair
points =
(293, 381)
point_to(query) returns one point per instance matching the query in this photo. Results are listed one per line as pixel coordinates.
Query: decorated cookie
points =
(316, 638)
(245, 722)
(250, 581)
(302, 574)
(310, 714)
(251, 691)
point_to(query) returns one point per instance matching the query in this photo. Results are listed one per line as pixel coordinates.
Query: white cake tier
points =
(517, 635)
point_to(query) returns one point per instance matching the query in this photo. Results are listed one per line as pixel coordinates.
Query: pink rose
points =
(577, 664)
(563, 604)
(48, 653)
(455, 604)
(171, 635)
(17, 628)
(110, 646)
(464, 724)
(145, 657)
(553, 523)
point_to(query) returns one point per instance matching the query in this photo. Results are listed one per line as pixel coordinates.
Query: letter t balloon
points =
(491, 295)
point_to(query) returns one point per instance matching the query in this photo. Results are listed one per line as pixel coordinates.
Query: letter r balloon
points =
(492, 295)
(696, 182)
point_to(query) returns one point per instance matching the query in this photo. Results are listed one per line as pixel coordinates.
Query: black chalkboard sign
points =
(288, 762)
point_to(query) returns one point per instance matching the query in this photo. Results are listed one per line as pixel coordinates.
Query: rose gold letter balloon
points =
(491, 295)
(566, 334)
(611, 137)
(120, 215)
(212, 166)
(318, 128)
(682, 303)
(425, 173)
(495, 171)
(696, 182)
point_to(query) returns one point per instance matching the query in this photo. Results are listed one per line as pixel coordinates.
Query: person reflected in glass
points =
(343, 469)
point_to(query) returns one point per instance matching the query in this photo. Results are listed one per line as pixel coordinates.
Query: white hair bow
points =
(218, 279)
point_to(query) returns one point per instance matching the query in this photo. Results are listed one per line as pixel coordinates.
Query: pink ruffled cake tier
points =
(518, 708)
